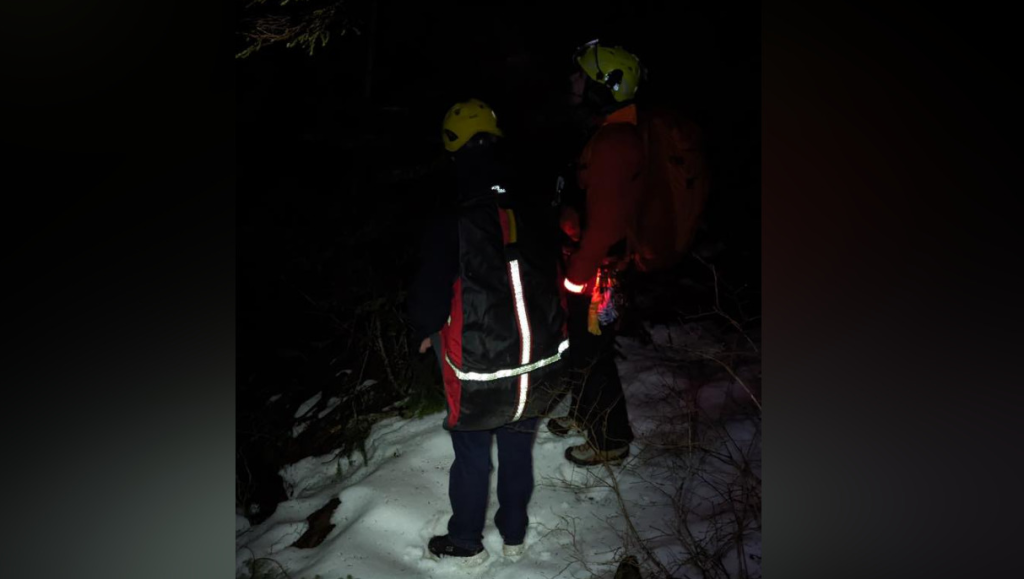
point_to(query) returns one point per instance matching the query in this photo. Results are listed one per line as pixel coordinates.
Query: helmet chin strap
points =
(598, 98)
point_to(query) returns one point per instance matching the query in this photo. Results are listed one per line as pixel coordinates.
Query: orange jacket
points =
(609, 172)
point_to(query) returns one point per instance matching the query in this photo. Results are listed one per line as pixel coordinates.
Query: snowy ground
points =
(392, 503)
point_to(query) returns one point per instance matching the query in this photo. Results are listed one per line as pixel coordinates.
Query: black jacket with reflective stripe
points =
(466, 250)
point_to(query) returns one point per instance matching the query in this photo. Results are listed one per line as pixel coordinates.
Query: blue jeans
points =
(469, 482)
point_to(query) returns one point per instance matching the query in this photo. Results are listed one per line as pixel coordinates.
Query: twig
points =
(362, 368)
(320, 308)
(733, 374)
(718, 305)
(629, 522)
(384, 356)
(255, 560)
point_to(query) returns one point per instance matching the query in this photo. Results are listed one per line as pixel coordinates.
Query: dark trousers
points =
(469, 482)
(597, 399)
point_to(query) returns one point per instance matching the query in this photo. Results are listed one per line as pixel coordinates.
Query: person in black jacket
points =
(486, 300)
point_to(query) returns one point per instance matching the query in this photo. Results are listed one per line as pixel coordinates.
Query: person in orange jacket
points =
(608, 177)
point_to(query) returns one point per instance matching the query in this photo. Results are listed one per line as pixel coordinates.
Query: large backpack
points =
(666, 212)
(506, 341)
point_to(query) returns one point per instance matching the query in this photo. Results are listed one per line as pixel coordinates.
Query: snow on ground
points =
(396, 497)
(331, 405)
(305, 406)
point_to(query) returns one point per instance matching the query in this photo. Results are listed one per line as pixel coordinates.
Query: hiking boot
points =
(513, 552)
(563, 426)
(442, 546)
(586, 455)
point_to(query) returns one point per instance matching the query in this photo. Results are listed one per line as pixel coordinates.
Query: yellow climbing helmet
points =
(615, 68)
(466, 119)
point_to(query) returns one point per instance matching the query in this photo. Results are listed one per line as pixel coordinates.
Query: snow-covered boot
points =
(442, 546)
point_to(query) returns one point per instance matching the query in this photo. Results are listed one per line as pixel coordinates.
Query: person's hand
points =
(569, 221)
(424, 345)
